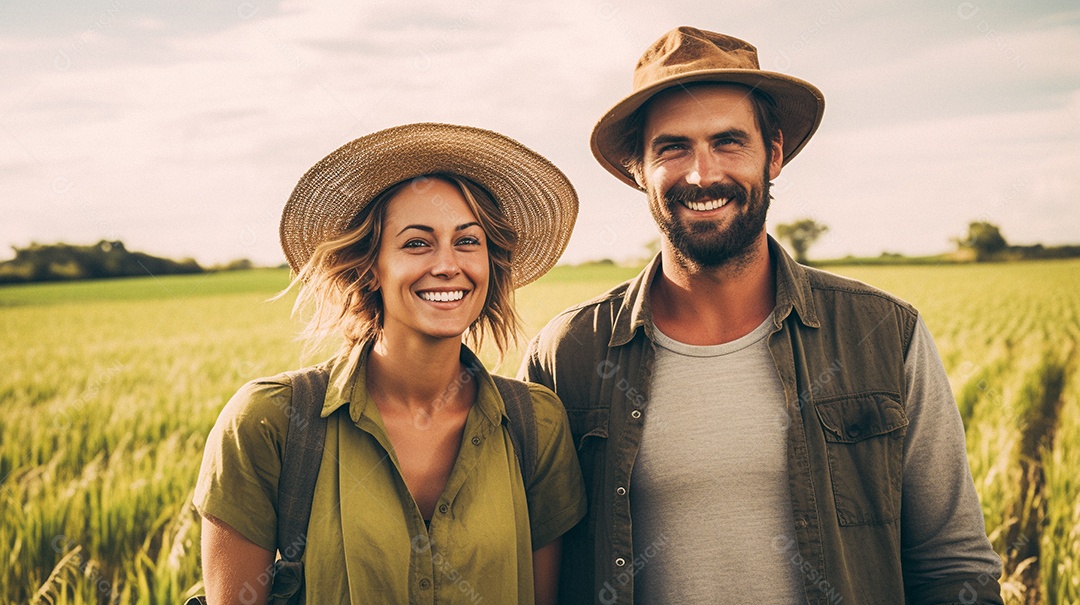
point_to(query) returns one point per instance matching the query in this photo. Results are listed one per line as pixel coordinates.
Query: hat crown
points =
(688, 49)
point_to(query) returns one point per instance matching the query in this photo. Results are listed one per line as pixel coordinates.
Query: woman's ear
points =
(369, 282)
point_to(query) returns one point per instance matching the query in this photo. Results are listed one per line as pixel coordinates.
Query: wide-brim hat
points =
(688, 55)
(534, 196)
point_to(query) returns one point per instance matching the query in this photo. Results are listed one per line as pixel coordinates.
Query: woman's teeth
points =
(443, 296)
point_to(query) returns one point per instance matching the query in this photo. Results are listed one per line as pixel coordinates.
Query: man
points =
(750, 430)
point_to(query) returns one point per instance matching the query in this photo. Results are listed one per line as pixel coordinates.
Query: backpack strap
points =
(522, 423)
(301, 460)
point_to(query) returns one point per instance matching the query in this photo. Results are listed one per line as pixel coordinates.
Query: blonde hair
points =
(338, 284)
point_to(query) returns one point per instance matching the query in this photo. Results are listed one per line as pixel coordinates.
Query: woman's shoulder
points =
(264, 402)
(547, 407)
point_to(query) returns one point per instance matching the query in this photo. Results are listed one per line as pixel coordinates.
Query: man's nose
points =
(706, 169)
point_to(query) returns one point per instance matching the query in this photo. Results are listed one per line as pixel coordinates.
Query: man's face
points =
(707, 173)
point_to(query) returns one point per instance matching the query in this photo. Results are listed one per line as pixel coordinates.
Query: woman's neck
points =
(420, 376)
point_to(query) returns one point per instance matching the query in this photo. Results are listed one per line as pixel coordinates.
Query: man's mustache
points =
(679, 193)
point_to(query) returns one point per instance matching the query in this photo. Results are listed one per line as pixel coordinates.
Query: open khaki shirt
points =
(367, 541)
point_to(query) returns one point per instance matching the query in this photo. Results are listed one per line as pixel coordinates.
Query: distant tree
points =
(240, 264)
(984, 238)
(801, 234)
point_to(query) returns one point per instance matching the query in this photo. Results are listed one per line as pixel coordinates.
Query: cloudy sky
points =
(181, 126)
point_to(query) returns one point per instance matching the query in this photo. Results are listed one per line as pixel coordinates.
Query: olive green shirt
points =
(367, 541)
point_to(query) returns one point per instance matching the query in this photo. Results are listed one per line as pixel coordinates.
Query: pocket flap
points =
(588, 423)
(852, 419)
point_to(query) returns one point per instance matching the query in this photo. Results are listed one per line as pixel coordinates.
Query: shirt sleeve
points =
(556, 495)
(943, 533)
(241, 463)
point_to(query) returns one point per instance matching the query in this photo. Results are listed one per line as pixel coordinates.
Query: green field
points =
(110, 388)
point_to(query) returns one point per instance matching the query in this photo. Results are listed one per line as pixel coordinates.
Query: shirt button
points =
(476, 441)
(425, 584)
(620, 490)
(635, 414)
(619, 562)
(802, 523)
(444, 508)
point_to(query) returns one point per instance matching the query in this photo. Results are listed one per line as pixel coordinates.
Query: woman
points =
(404, 241)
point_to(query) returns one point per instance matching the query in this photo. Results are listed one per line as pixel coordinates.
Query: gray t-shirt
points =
(709, 492)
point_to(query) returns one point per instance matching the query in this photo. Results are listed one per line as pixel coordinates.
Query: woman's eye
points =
(469, 240)
(415, 243)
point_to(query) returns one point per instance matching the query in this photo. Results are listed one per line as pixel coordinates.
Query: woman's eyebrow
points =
(432, 229)
(420, 227)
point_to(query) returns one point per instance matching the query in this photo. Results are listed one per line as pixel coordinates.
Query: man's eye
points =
(670, 148)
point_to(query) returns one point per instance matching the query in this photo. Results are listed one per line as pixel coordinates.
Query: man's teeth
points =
(443, 296)
(709, 205)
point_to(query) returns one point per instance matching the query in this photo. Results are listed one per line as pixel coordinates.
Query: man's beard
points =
(702, 241)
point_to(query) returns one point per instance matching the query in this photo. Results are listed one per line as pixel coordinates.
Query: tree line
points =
(982, 242)
(58, 262)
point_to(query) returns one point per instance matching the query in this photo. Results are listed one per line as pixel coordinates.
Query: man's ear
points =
(777, 160)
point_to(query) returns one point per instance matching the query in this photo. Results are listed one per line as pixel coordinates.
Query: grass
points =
(110, 388)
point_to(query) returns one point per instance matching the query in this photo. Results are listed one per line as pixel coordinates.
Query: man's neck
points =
(713, 305)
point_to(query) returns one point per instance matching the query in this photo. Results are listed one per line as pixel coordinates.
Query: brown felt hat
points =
(534, 196)
(686, 55)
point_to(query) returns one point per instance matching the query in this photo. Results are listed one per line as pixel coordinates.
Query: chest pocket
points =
(864, 436)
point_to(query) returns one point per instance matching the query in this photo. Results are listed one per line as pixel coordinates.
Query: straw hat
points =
(686, 55)
(534, 196)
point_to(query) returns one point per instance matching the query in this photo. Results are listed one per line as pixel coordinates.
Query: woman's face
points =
(433, 265)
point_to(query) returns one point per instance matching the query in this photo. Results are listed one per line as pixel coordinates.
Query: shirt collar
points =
(792, 293)
(793, 290)
(635, 311)
(348, 376)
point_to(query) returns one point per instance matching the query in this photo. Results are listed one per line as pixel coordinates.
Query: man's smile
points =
(707, 205)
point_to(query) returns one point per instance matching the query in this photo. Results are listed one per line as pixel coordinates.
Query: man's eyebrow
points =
(428, 229)
(732, 133)
(664, 139)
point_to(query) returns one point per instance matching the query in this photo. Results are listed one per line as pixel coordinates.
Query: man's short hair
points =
(632, 142)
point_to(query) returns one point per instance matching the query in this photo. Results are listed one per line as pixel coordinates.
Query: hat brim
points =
(799, 103)
(534, 196)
